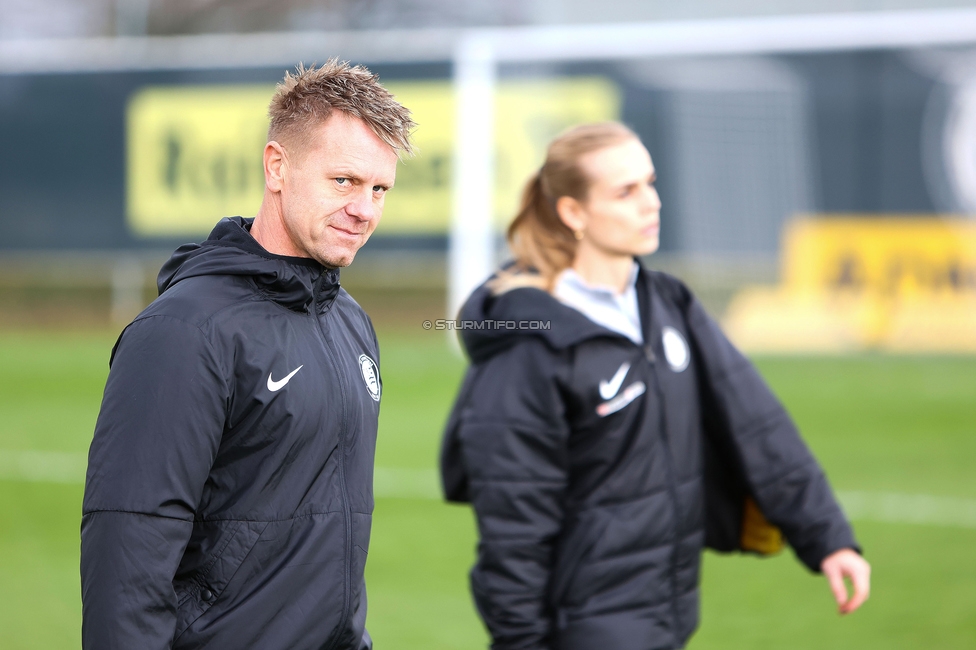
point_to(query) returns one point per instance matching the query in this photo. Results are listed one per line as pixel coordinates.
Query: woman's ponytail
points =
(543, 246)
(539, 239)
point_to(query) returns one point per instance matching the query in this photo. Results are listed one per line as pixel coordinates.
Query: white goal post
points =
(479, 52)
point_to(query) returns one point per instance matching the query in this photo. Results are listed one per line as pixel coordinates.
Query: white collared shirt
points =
(617, 312)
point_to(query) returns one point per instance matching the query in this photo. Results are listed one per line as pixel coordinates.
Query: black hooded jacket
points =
(599, 469)
(229, 489)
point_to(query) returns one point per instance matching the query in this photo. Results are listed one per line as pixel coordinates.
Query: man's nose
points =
(362, 205)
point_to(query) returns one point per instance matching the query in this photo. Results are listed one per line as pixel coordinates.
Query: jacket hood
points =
(492, 323)
(293, 282)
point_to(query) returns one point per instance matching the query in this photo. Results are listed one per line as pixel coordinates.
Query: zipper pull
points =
(649, 353)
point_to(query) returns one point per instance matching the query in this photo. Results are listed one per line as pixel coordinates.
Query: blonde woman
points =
(607, 431)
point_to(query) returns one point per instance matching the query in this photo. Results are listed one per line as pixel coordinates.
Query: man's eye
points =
(379, 189)
(342, 181)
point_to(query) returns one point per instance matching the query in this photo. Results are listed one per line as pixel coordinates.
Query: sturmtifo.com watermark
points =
(444, 324)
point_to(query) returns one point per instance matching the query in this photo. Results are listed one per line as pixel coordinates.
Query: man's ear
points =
(274, 166)
(571, 213)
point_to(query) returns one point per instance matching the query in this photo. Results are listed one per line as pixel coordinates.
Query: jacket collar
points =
(298, 283)
(559, 325)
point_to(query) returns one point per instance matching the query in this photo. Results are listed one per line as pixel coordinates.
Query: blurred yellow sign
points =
(888, 257)
(906, 284)
(194, 156)
(194, 153)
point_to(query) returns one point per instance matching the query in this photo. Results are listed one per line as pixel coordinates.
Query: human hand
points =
(847, 563)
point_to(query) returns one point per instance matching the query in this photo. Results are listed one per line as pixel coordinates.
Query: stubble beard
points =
(335, 256)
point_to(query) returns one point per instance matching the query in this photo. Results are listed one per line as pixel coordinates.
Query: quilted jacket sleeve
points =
(156, 438)
(782, 475)
(512, 442)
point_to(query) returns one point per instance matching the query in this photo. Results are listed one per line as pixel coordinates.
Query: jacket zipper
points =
(647, 329)
(346, 515)
(669, 461)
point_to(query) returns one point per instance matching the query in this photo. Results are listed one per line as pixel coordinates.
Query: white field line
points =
(406, 483)
(31, 466)
(897, 508)
(403, 483)
(42, 466)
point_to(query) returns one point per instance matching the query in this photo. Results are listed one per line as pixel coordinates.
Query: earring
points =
(578, 234)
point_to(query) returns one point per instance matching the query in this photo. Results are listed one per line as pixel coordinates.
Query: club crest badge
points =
(371, 376)
(675, 349)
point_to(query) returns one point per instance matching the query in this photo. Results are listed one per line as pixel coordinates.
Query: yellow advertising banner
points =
(194, 153)
(893, 257)
(899, 284)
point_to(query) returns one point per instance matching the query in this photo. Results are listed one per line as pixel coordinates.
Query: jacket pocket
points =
(581, 538)
(200, 588)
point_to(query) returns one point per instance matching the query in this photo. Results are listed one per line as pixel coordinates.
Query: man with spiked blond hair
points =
(229, 489)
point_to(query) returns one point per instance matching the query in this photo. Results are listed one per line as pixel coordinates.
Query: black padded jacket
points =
(599, 469)
(229, 489)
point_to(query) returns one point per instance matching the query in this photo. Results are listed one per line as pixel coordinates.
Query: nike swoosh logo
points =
(628, 395)
(275, 386)
(609, 388)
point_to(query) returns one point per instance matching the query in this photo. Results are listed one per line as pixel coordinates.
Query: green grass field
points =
(884, 427)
